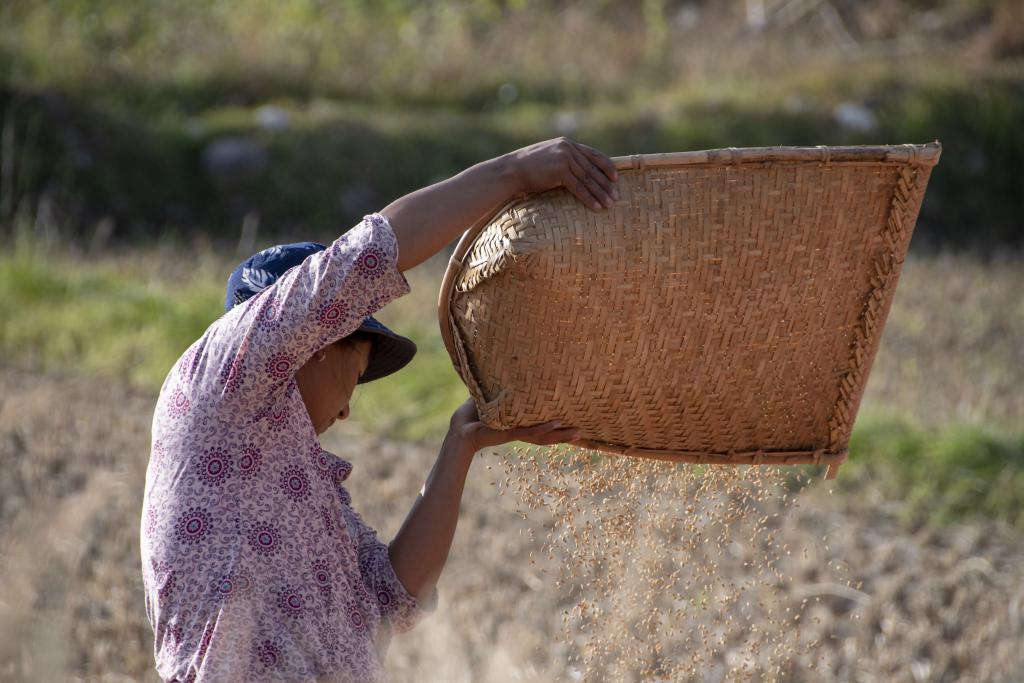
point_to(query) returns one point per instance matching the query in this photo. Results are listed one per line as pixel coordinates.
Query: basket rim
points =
(914, 155)
(901, 155)
(907, 154)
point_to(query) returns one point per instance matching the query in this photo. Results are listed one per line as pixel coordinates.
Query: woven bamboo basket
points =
(726, 310)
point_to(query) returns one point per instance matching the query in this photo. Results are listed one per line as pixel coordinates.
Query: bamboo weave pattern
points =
(726, 310)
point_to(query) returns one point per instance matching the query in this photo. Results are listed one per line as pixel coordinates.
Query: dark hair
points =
(356, 337)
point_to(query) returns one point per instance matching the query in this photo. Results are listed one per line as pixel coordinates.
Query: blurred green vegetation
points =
(338, 161)
(961, 471)
(113, 109)
(67, 314)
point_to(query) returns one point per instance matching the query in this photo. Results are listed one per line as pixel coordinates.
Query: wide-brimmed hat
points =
(389, 353)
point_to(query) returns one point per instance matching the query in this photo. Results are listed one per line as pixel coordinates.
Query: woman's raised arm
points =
(426, 220)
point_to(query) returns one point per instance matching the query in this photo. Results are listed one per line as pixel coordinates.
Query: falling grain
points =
(667, 564)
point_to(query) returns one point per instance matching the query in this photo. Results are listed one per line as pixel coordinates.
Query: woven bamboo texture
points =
(726, 310)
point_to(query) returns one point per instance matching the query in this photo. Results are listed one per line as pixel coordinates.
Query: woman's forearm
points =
(426, 220)
(420, 549)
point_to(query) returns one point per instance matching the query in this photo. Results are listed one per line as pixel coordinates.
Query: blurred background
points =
(147, 147)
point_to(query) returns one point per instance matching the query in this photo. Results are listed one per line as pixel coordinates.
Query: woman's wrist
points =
(460, 442)
(509, 174)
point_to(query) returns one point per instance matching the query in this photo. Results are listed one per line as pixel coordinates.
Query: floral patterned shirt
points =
(255, 565)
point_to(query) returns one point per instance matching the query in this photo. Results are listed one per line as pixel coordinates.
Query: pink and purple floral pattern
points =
(331, 314)
(295, 483)
(280, 366)
(177, 407)
(255, 566)
(214, 467)
(250, 461)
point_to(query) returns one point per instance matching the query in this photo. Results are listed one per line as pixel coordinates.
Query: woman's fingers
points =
(587, 173)
(597, 175)
(601, 160)
(546, 434)
(584, 187)
(538, 430)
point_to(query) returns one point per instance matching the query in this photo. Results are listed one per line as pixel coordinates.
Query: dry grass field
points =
(115, 120)
(881, 596)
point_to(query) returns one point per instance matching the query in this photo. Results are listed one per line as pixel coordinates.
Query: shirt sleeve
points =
(256, 347)
(397, 606)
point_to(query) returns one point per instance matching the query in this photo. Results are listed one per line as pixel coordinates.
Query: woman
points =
(255, 565)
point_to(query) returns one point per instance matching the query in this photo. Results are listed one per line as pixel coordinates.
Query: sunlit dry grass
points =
(944, 602)
(923, 602)
(953, 345)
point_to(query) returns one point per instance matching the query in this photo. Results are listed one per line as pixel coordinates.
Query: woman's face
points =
(326, 385)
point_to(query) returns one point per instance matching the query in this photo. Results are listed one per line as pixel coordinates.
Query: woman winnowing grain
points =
(255, 565)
